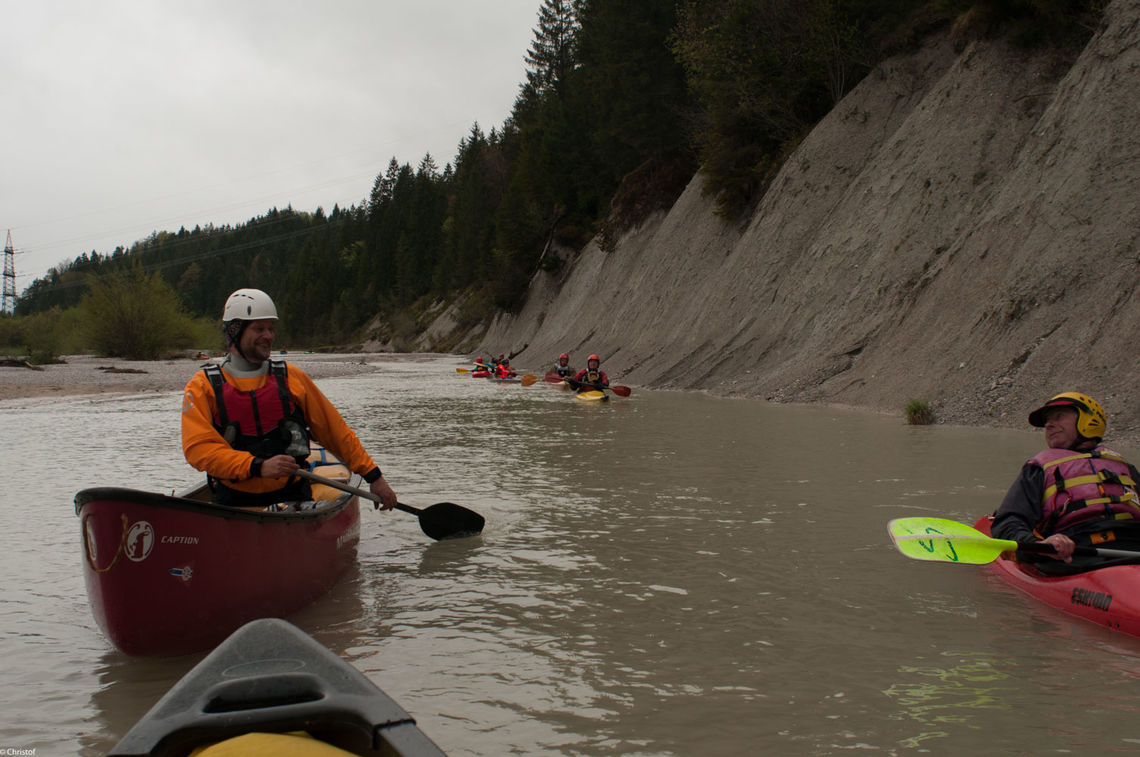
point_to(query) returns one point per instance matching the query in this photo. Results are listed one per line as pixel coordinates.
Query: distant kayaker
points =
(1076, 492)
(502, 358)
(562, 367)
(247, 422)
(503, 369)
(592, 376)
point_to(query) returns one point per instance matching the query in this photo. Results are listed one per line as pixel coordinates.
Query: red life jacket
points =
(1081, 487)
(264, 422)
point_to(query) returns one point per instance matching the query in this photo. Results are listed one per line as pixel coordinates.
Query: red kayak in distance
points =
(170, 575)
(1108, 596)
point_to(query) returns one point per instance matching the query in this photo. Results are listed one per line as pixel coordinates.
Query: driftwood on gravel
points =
(113, 369)
(11, 362)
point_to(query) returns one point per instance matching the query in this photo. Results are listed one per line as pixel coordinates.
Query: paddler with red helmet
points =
(591, 377)
(1076, 491)
(562, 367)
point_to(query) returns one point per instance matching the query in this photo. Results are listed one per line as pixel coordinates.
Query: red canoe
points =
(1107, 596)
(170, 575)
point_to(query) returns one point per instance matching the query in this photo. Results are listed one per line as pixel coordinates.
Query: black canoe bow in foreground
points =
(269, 678)
(444, 520)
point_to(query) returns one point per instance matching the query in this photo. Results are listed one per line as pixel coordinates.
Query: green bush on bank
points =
(133, 316)
(919, 413)
(41, 336)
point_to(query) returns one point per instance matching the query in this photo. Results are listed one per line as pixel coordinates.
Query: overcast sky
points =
(123, 117)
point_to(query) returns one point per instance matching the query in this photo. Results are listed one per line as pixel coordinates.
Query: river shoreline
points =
(83, 375)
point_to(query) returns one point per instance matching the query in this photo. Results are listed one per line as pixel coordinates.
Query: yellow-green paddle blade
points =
(942, 540)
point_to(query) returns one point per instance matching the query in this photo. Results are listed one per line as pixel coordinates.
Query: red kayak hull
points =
(170, 575)
(1109, 597)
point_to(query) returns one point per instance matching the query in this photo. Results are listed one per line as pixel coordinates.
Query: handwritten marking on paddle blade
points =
(941, 540)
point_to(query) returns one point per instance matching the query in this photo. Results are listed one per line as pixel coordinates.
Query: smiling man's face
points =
(257, 340)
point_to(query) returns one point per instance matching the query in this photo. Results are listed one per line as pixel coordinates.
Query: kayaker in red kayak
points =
(247, 422)
(1075, 492)
(591, 377)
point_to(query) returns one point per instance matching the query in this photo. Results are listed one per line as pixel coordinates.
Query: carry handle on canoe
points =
(443, 520)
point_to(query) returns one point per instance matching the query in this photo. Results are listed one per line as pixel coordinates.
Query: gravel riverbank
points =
(89, 375)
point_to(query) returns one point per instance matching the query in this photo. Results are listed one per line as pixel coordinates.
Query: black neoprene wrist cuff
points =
(255, 467)
(372, 475)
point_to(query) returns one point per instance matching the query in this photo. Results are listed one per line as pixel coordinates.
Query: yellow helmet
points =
(1091, 420)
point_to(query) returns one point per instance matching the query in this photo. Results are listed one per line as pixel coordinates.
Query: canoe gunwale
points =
(186, 504)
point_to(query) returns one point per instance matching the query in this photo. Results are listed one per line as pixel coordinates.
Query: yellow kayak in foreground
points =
(592, 396)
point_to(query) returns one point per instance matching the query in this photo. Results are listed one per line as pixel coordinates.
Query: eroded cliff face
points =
(963, 228)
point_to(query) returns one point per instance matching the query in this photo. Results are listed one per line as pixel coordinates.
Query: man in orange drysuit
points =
(247, 422)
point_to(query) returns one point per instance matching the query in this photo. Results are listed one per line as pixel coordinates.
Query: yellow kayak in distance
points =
(592, 396)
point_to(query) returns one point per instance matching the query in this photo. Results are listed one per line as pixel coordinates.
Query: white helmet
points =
(249, 305)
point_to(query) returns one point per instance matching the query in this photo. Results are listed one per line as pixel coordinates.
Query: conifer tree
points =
(551, 55)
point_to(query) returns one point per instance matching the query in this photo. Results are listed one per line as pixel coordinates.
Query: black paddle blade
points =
(447, 520)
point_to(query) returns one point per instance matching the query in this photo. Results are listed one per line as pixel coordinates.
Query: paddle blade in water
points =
(621, 391)
(942, 540)
(447, 520)
(529, 379)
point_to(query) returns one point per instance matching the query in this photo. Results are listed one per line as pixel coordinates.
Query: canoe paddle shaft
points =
(443, 520)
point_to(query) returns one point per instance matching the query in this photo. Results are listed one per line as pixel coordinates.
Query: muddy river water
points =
(668, 574)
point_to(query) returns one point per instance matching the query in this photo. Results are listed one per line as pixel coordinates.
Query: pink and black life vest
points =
(1081, 487)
